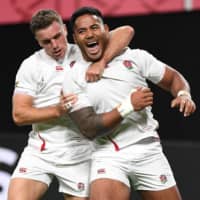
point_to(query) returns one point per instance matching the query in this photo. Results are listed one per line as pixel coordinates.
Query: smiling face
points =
(91, 35)
(53, 39)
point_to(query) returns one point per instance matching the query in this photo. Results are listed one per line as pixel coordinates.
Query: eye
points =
(57, 36)
(81, 31)
(45, 42)
(95, 27)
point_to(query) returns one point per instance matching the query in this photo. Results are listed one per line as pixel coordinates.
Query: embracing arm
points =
(177, 85)
(93, 125)
(24, 113)
(119, 39)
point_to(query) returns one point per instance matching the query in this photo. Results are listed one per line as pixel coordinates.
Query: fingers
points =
(92, 77)
(68, 101)
(68, 106)
(70, 98)
(95, 71)
(182, 105)
(141, 98)
(186, 105)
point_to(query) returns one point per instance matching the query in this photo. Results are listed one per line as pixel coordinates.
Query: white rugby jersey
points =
(41, 77)
(129, 70)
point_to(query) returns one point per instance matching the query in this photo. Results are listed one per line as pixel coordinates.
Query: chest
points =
(50, 80)
(118, 80)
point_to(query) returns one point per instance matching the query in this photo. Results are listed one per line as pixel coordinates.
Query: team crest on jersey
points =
(163, 178)
(128, 64)
(81, 186)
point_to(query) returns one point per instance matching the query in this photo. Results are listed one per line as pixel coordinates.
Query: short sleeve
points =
(26, 78)
(151, 68)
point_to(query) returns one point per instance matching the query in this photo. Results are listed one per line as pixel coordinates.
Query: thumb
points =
(173, 103)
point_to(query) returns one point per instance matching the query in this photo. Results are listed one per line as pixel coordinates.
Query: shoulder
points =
(136, 52)
(31, 63)
(79, 68)
(73, 52)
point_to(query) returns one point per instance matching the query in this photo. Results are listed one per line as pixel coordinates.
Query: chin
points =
(94, 58)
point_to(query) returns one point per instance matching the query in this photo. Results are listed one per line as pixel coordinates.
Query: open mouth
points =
(93, 47)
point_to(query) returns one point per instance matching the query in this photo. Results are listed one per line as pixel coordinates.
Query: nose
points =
(54, 43)
(89, 34)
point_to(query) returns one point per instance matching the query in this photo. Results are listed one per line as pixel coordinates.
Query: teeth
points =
(91, 43)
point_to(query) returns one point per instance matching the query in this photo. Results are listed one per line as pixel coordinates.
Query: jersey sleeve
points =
(74, 82)
(26, 78)
(151, 68)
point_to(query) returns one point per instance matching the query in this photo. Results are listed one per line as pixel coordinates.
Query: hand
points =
(141, 98)
(66, 102)
(185, 104)
(95, 71)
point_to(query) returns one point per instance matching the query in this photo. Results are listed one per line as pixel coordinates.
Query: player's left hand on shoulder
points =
(185, 104)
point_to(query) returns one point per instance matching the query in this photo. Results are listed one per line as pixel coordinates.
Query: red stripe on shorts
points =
(114, 143)
(42, 147)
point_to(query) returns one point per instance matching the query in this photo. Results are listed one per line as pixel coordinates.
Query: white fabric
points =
(41, 77)
(142, 166)
(126, 72)
(72, 178)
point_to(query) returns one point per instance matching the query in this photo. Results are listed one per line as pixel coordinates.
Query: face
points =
(53, 39)
(91, 35)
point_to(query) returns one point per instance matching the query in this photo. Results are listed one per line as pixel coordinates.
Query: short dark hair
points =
(82, 11)
(43, 18)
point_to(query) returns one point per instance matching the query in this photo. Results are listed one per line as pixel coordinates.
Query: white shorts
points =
(142, 166)
(73, 178)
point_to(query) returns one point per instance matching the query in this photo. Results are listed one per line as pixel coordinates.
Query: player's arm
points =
(178, 86)
(119, 39)
(93, 125)
(24, 113)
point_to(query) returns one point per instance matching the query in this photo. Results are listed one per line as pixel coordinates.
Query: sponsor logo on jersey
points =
(59, 68)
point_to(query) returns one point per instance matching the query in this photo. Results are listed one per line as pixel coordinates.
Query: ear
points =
(74, 37)
(38, 41)
(65, 29)
(106, 27)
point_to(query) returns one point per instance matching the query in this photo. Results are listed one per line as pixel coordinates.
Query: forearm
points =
(119, 39)
(173, 81)
(93, 125)
(27, 116)
(179, 83)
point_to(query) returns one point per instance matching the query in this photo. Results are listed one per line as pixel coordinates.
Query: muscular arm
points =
(24, 113)
(119, 39)
(173, 81)
(178, 86)
(93, 125)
